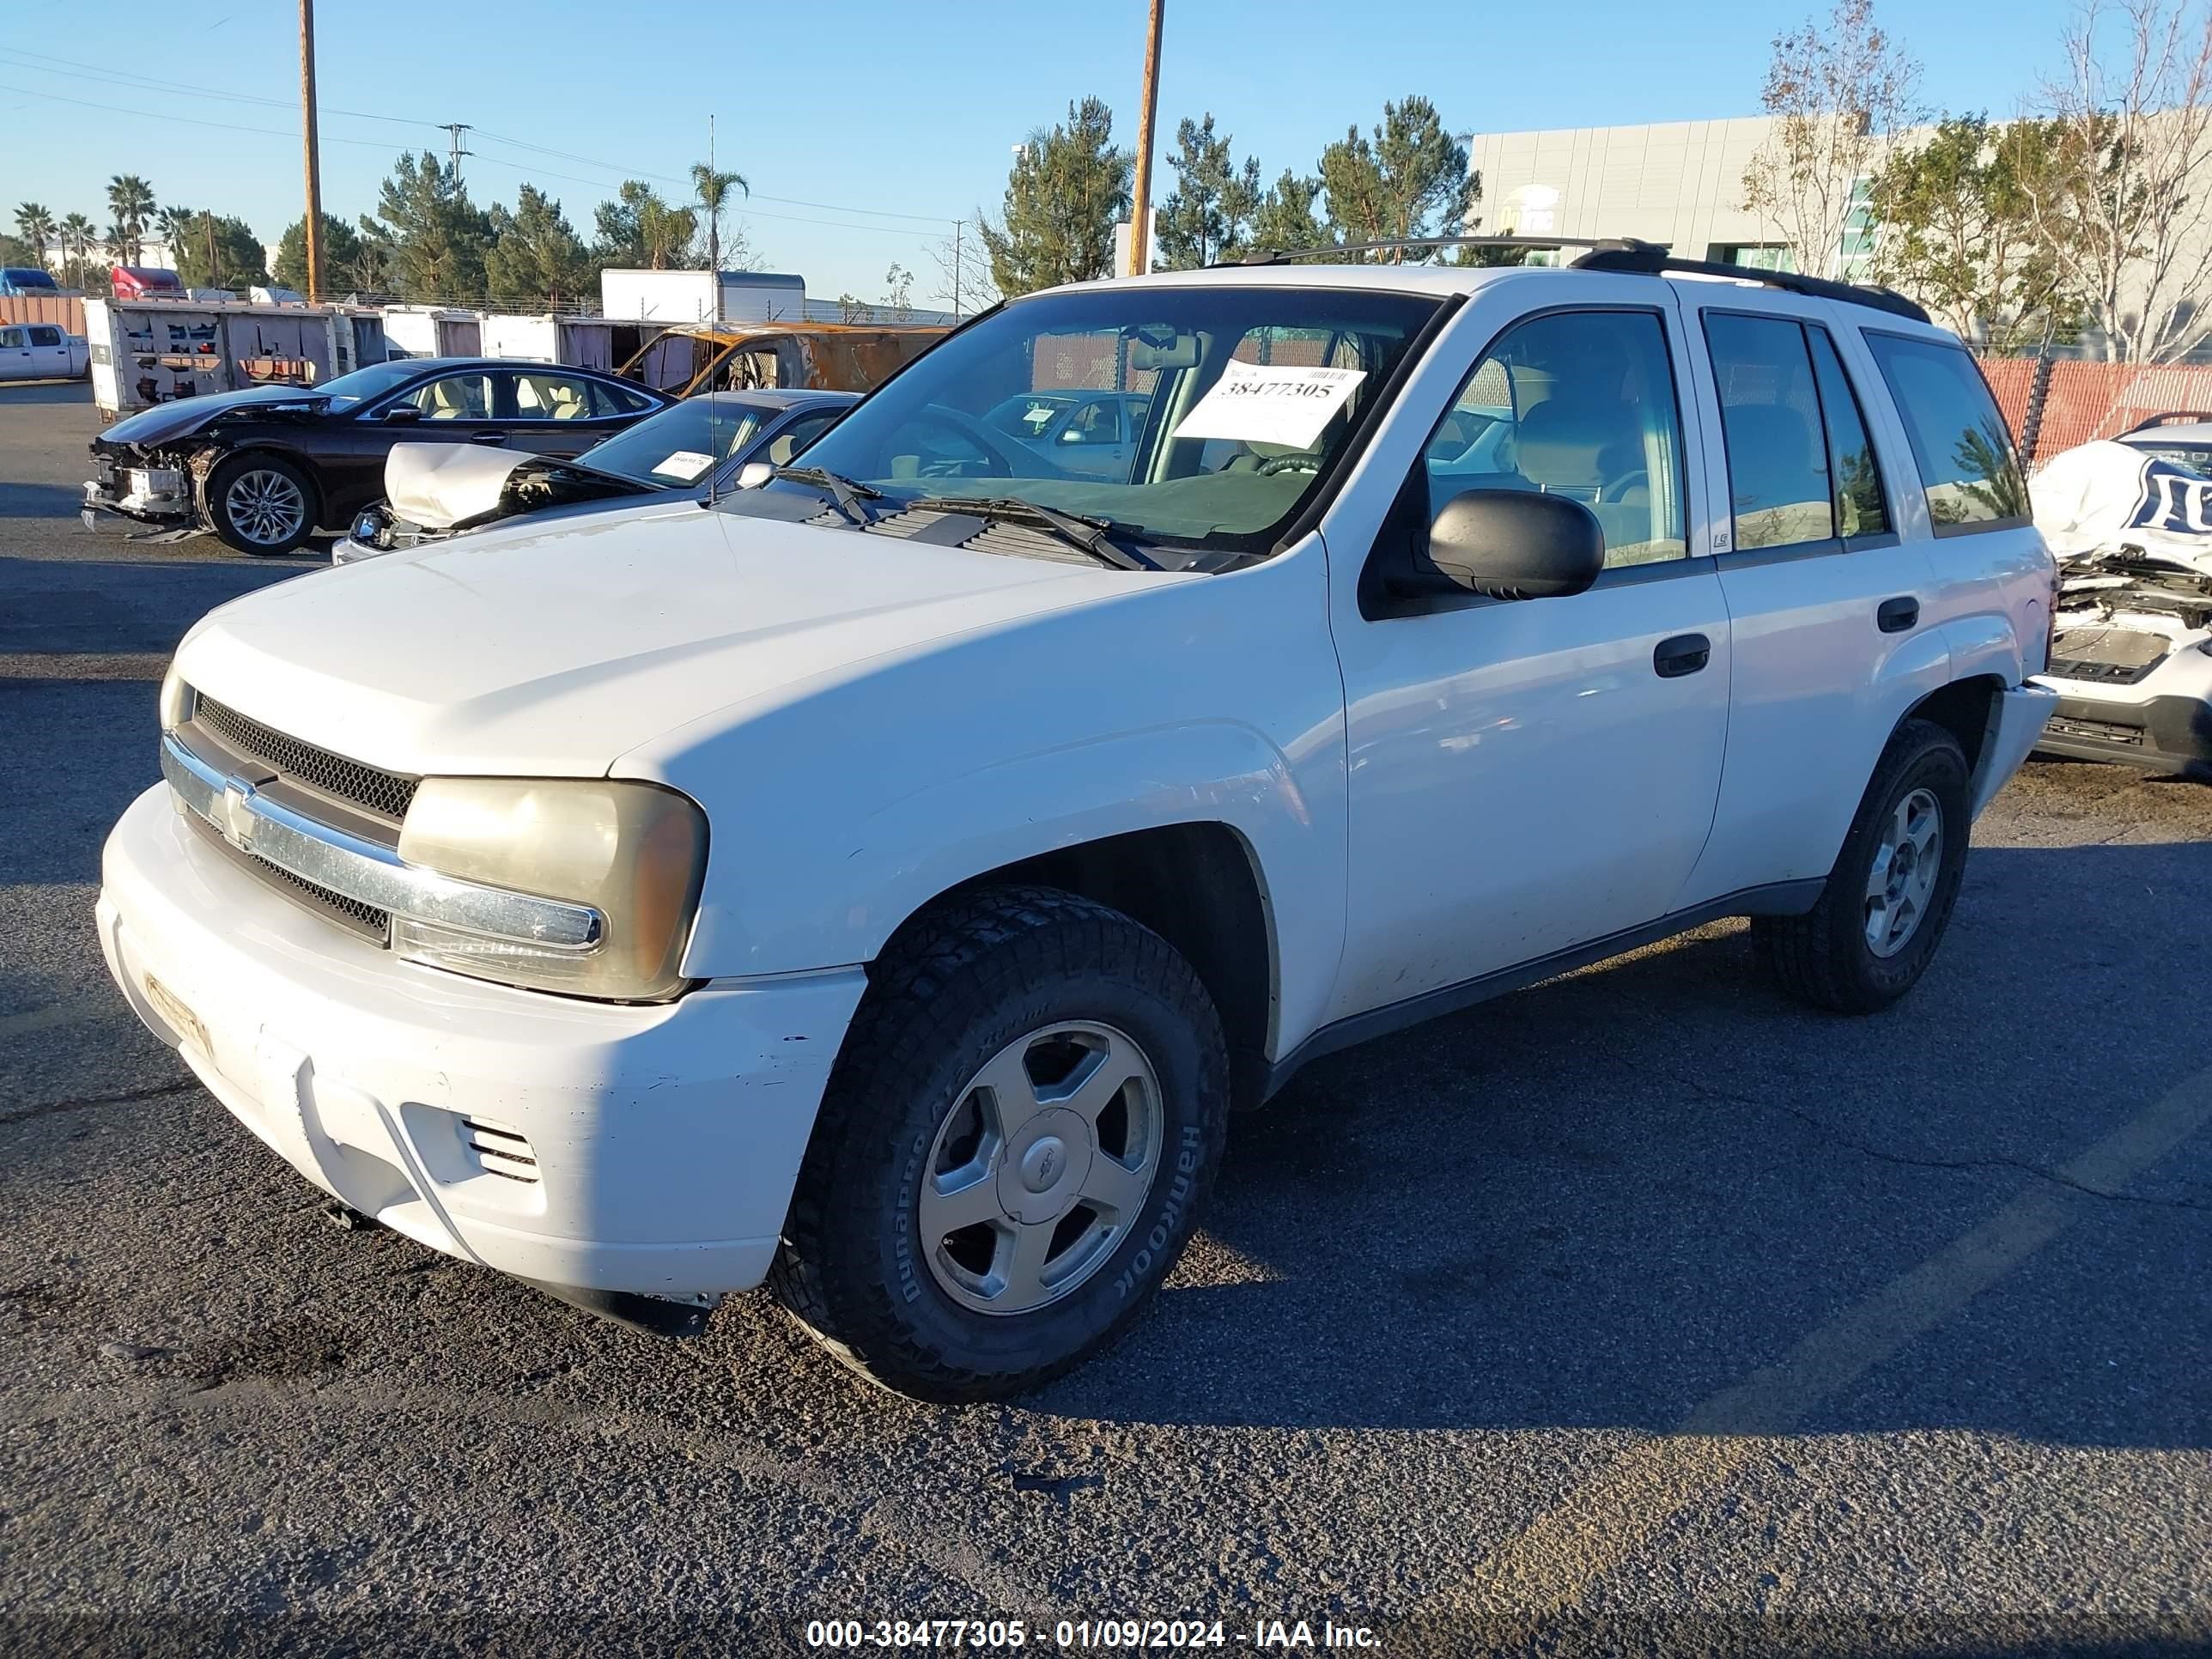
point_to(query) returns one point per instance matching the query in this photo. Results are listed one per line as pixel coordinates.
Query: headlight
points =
(634, 852)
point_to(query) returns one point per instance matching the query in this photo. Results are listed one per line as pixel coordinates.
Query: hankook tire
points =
(1021, 1127)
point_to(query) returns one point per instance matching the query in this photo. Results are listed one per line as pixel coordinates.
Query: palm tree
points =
(130, 198)
(713, 190)
(77, 234)
(36, 226)
(176, 225)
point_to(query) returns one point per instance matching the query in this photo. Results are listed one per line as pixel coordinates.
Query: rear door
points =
(551, 411)
(1827, 598)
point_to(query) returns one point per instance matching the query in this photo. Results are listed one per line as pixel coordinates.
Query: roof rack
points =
(1632, 255)
(2171, 417)
(1620, 244)
(1655, 261)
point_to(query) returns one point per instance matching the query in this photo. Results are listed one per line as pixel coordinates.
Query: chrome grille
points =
(387, 794)
(366, 918)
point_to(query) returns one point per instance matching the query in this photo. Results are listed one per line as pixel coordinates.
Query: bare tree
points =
(1840, 95)
(963, 273)
(2132, 118)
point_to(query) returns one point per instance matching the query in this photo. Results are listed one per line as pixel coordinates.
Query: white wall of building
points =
(1679, 183)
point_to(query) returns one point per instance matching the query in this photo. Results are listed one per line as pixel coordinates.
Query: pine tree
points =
(1208, 215)
(1066, 190)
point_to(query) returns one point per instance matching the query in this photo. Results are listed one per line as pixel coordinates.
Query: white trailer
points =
(579, 341)
(675, 297)
(145, 352)
(432, 331)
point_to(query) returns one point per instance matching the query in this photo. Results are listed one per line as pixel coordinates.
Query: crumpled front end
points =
(152, 486)
(2131, 660)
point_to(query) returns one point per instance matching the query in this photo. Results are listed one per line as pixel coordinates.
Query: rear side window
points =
(49, 336)
(1959, 443)
(1778, 456)
(1862, 509)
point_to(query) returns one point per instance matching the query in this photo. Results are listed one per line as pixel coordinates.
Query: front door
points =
(1532, 775)
(16, 360)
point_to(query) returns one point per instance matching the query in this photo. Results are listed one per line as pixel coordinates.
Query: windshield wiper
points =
(1091, 536)
(847, 494)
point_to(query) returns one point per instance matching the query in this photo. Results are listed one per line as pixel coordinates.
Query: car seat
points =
(1593, 452)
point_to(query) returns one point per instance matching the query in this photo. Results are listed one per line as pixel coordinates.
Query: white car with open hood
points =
(2132, 657)
(886, 883)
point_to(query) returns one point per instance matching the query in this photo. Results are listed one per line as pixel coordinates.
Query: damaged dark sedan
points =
(267, 468)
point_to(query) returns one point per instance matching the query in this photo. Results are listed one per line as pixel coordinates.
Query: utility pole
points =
(958, 225)
(454, 130)
(1141, 209)
(315, 219)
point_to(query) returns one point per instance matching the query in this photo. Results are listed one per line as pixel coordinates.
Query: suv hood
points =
(181, 419)
(552, 650)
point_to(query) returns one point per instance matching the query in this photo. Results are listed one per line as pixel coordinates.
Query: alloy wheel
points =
(266, 506)
(1906, 867)
(1040, 1168)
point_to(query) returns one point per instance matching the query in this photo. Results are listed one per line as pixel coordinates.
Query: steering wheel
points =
(1617, 491)
(993, 464)
(1279, 463)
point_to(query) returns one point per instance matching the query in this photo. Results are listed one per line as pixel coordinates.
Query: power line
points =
(117, 77)
(454, 130)
(192, 121)
(124, 78)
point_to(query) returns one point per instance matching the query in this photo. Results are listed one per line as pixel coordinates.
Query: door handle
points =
(1897, 615)
(487, 437)
(1684, 653)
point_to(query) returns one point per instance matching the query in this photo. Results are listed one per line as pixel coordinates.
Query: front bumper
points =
(157, 496)
(589, 1146)
(2160, 734)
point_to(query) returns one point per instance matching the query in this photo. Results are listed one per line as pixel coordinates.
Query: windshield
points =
(371, 382)
(1200, 416)
(678, 445)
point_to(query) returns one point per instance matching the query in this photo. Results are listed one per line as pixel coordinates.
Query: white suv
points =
(885, 880)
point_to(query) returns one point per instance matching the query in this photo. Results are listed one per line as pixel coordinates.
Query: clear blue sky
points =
(890, 108)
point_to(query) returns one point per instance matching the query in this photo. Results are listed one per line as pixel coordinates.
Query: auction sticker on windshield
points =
(685, 465)
(1257, 403)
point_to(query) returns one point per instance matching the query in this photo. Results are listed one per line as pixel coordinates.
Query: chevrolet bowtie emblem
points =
(233, 817)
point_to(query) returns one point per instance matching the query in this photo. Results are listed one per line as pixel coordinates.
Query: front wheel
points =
(1015, 1142)
(1888, 899)
(261, 505)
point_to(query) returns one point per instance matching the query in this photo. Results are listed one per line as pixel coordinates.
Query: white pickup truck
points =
(884, 880)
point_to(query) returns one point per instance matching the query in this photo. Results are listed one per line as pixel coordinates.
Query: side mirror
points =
(402, 414)
(1517, 545)
(753, 474)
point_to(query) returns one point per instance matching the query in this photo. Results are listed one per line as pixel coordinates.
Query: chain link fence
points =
(2053, 404)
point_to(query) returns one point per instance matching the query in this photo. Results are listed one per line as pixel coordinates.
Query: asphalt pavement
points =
(1643, 1311)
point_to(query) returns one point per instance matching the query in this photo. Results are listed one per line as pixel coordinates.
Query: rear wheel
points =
(1889, 897)
(260, 505)
(1013, 1149)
